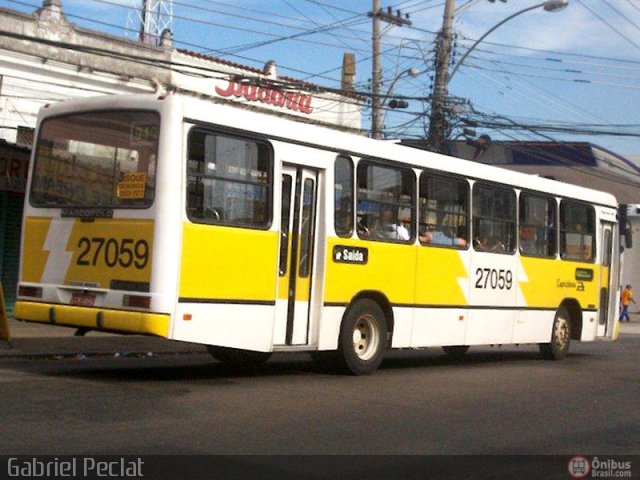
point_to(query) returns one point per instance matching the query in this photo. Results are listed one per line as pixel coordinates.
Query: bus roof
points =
(278, 128)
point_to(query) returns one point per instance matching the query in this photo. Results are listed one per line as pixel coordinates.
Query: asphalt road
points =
(496, 401)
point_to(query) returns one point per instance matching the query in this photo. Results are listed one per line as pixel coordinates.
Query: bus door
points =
(297, 232)
(607, 313)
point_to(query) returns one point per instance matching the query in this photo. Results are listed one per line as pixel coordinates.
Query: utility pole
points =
(378, 15)
(376, 74)
(436, 138)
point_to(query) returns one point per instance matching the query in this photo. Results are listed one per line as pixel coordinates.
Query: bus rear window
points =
(98, 159)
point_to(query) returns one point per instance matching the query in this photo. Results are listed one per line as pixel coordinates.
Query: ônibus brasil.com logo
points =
(581, 467)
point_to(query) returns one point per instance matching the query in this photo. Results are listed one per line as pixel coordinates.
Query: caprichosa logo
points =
(343, 254)
(267, 95)
(578, 286)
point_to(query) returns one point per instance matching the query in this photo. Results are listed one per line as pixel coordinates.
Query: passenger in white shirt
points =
(392, 230)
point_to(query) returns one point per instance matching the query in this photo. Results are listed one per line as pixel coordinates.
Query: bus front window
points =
(99, 159)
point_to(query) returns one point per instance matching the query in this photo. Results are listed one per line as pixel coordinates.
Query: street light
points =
(376, 127)
(548, 6)
(437, 121)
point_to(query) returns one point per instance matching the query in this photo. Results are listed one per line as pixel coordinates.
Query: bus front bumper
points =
(116, 321)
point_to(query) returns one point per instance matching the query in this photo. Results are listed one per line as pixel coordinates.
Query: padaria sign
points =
(252, 92)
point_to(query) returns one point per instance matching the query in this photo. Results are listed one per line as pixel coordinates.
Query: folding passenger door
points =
(607, 313)
(297, 232)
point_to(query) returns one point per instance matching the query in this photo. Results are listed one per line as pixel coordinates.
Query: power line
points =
(559, 79)
(572, 71)
(177, 42)
(630, 2)
(557, 61)
(624, 17)
(612, 27)
(558, 53)
(177, 66)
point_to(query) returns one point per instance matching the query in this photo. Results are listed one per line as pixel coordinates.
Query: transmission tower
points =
(148, 19)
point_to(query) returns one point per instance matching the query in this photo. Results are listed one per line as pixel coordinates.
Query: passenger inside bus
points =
(437, 237)
(388, 227)
(528, 237)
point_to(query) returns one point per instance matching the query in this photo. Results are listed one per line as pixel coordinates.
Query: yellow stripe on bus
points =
(440, 271)
(142, 323)
(91, 253)
(35, 235)
(225, 263)
(547, 282)
(390, 269)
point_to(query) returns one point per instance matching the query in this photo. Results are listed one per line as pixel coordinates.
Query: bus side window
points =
(386, 199)
(444, 211)
(343, 187)
(577, 231)
(230, 180)
(537, 226)
(494, 219)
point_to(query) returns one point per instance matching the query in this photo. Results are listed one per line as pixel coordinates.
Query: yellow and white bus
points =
(203, 222)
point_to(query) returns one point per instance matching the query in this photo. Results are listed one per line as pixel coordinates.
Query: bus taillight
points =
(136, 301)
(24, 291)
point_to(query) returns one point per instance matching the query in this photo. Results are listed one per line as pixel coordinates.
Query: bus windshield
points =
(98, 159)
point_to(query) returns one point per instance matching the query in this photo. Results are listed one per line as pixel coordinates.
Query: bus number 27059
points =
(112, 252)
(495, 279)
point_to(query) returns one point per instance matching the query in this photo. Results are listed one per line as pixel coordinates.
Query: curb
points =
(46, 342)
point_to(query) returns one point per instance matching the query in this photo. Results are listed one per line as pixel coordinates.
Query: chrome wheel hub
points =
(366, 337)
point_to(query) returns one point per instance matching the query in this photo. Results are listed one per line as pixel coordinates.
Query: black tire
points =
(558, 348)
(237, 357)
(363, 338)
(456, 351)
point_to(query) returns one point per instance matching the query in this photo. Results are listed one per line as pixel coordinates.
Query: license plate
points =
(83, 299)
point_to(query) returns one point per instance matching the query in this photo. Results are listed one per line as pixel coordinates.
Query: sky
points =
(577, 69)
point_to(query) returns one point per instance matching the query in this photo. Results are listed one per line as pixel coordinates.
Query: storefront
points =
(14, 161)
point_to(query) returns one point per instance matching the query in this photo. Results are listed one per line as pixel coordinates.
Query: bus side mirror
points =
(625, 225)
(628, 236)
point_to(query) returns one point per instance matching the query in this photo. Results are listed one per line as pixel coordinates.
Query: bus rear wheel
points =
(237, 357)
(558, 348)
(363, 336)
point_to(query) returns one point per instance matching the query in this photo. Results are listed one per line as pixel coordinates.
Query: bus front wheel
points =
(363, 336)
(558, 348)
(238, 357)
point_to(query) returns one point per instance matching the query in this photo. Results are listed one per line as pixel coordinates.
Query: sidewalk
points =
(39, 340)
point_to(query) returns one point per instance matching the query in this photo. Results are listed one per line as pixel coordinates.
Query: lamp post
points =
(413, 73)
(549, 6)
(437, 120)
(376, 127)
